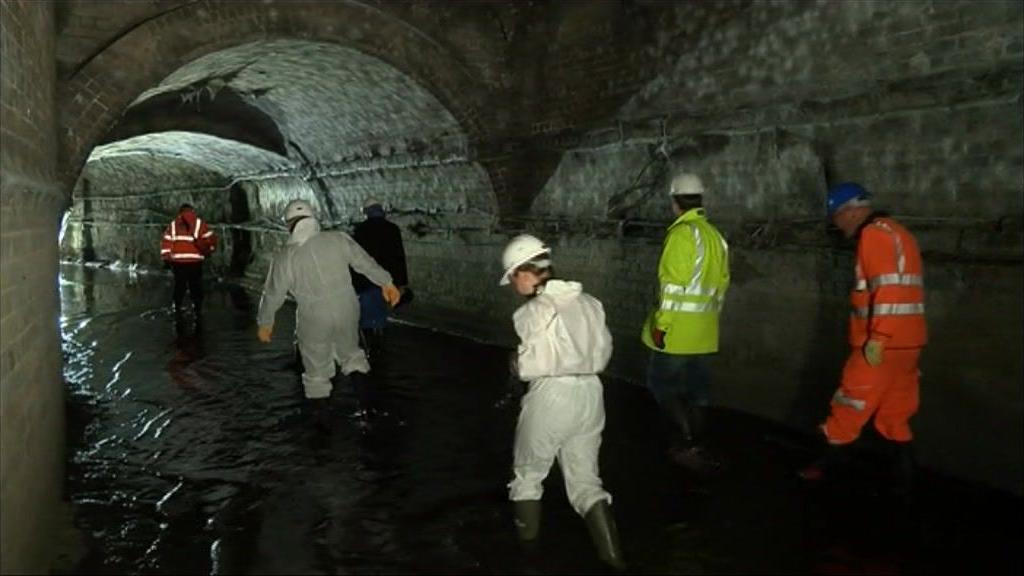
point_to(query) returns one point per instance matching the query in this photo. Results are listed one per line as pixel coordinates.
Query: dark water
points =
(191, 451)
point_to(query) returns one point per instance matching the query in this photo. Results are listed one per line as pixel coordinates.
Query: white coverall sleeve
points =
(536, 353)
(275, 289)
(364, 263)
(602, 345)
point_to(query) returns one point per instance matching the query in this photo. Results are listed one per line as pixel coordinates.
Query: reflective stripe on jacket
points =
(693, 276)
(187, 239)
(888, 298)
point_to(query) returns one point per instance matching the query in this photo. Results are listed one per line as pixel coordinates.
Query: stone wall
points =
(31, 391)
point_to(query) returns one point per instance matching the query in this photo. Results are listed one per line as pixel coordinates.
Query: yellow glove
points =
(264, 333)
(873, 352)
(391, 294)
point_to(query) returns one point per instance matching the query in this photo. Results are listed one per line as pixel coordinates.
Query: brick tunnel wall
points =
(31, 392)
(919, 101)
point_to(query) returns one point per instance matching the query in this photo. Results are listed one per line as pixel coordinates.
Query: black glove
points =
(516, 385)
(406, 297)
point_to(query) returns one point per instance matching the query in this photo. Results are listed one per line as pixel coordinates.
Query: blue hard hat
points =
(840, 194)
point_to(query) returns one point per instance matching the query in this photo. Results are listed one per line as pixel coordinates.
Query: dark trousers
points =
(681, 383)
(188, 277)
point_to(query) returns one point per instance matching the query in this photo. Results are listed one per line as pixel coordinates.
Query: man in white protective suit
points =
(314, 268)
(564, 345)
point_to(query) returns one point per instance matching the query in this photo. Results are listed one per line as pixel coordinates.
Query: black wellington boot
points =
(605, 535)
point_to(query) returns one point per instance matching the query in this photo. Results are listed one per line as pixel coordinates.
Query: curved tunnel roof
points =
(151, 162)
(327, 100)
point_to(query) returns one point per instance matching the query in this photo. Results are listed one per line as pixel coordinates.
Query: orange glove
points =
(264, 333)
(391, 294)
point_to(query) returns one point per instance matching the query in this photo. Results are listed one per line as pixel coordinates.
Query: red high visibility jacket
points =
(187, 239)
(888, 298)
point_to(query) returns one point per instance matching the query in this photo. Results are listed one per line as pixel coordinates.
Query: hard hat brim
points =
(506, 278)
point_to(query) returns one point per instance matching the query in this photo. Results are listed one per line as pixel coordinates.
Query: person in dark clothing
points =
(383, 241)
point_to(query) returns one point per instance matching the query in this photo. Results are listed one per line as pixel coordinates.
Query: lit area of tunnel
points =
(239, 132)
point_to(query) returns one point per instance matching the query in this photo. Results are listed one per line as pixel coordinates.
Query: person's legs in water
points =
(180, 285)
(195, 287)
(896, 407)
(356, 367)
(853, 404)
(578, 458)
(535, 447)
(664, 372)
(373, 317)
(667, 379)
(350, 356)
(318, 369)
(696, 388)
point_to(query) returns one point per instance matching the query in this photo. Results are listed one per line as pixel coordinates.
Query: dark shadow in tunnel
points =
(833, 275)
(89, 290)
(241, 239)
(239, 297)
(200, 108)
(820, 375)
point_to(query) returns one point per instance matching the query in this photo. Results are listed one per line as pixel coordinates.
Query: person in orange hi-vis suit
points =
(887, 332)
(187, 241)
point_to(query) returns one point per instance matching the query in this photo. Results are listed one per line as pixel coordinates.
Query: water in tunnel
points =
(191, 450)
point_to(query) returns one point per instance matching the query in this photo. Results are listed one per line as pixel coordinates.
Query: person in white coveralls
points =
(314, 268)
(564, 345)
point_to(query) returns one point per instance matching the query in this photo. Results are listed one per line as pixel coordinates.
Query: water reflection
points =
(192, 452)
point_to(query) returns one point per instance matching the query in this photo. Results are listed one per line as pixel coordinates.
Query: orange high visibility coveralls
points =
(888, 306)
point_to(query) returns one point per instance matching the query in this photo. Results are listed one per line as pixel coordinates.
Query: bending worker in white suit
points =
(314, 268)
(564, 345)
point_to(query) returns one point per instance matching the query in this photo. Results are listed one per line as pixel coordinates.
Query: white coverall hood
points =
(304, 230)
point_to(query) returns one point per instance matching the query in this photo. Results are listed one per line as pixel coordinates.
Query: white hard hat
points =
(297, 208)
(686, 184)
(519, 251)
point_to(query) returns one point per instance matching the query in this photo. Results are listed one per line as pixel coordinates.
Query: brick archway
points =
(92, 100)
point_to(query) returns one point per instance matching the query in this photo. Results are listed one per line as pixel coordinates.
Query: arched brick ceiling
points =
(168, 160)
(329, 103)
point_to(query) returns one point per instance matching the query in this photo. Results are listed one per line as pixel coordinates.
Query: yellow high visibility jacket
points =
(693, 274)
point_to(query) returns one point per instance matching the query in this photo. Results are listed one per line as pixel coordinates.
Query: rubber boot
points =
(320, 414)
(364, 392)
(835, 456)
(296, 363)
(527, 519)
(678, 411)
(902, 455)
(605, 535)
(685, 451)
(373, 339)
